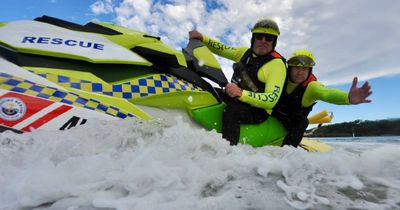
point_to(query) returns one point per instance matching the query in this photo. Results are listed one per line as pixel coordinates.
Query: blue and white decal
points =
(60, 41)
(45, 37)
(11, 108)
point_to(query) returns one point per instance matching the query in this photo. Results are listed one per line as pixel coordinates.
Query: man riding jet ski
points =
(55, 75)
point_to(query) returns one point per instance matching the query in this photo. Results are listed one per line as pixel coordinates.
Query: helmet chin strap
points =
(309, 74)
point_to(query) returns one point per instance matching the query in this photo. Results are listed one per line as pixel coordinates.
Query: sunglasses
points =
(266, 37)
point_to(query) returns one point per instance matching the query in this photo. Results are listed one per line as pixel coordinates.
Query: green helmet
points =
(266, 26)
(303, 58)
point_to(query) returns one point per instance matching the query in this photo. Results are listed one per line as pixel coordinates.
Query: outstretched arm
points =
(359, 95)
(219, 48)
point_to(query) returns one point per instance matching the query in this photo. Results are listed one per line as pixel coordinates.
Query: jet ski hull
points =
(55, 75)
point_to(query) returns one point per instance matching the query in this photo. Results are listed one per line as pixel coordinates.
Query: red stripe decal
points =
(48, 117)
(29, 104)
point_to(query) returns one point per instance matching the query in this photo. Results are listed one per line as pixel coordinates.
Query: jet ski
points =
(56, 75)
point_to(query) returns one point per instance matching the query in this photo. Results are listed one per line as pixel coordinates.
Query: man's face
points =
(263, 44)
(299, 74)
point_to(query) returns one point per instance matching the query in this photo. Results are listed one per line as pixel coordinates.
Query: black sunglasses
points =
(267, 37)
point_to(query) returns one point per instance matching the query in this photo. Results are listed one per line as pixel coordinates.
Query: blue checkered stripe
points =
(142, 87)
(9, 82)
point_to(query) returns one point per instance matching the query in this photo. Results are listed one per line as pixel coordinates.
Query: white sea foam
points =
(135, 165)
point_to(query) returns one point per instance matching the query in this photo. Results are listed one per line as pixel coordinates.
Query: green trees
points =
(389, 127)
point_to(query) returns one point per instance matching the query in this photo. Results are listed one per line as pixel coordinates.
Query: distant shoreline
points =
(358, 128)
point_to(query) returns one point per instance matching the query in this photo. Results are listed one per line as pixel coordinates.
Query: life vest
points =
(289, 105)
(245, 71)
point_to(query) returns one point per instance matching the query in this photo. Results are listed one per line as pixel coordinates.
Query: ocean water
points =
(129, 165)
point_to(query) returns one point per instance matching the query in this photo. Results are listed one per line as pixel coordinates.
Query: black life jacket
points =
(245, 71)
(289, 106)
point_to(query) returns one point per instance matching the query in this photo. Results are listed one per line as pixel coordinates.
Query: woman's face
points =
(299, 74)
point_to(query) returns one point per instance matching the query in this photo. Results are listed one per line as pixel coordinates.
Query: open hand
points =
(359, 95)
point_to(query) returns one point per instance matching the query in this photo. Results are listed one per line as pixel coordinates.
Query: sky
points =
(347, 38)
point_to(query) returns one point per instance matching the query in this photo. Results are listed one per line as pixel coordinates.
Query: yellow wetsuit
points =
(272, 74)
(293, 117)
(317, 91)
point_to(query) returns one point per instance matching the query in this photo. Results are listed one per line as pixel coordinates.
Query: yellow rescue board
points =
(315, 145)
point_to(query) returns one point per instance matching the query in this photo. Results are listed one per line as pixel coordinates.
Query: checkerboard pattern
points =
(142, 87)
(16, 84)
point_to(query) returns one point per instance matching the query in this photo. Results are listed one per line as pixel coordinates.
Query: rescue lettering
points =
(60, 41)
(217, 45)
(274, 95)
(263, 97)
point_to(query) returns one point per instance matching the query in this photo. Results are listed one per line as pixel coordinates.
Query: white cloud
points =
(102, 7)
(355, 38)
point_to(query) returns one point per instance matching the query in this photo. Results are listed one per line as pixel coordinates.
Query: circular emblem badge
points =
(11, 108)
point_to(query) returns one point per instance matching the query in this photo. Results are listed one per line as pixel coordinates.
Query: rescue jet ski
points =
(55, 75)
